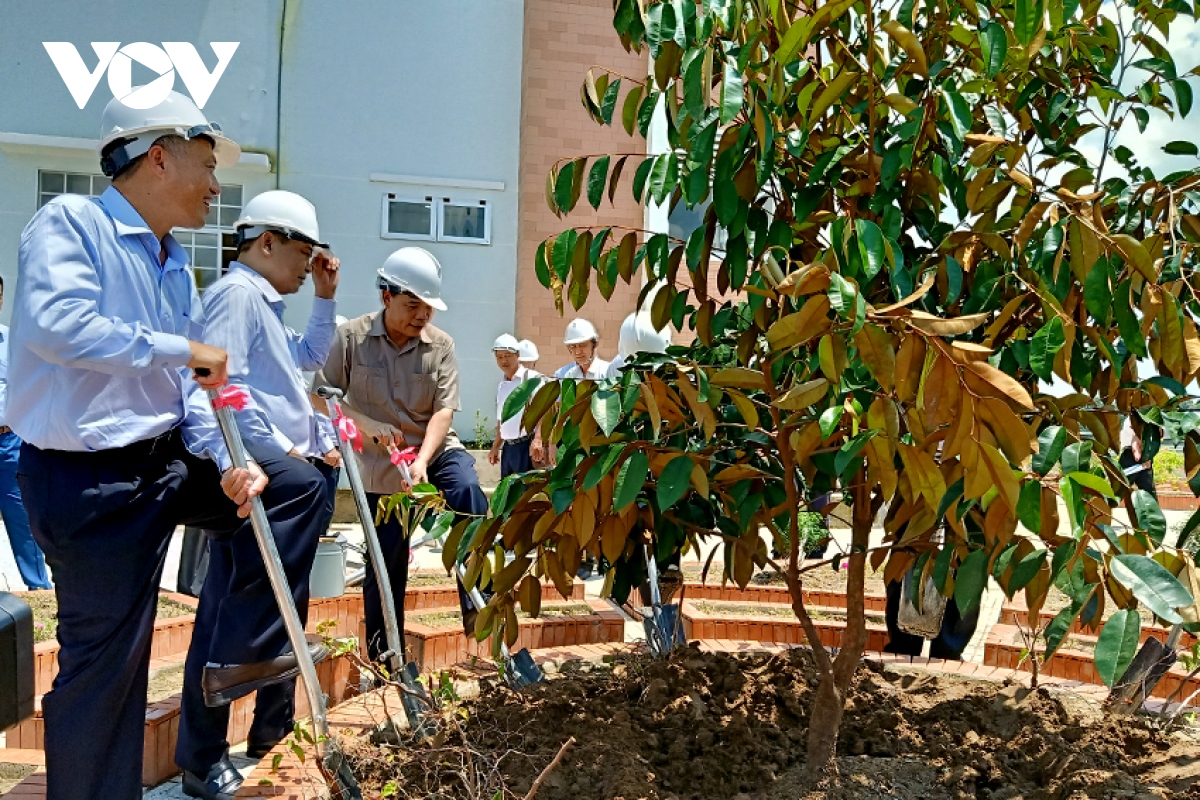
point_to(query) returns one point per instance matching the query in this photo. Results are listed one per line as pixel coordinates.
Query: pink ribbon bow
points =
(231, 396)
(405, 456)
(347, 429)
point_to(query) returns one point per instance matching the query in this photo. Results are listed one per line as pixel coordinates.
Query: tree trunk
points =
(830, 703)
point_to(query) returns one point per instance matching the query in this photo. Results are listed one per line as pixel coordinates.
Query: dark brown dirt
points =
(719, 727)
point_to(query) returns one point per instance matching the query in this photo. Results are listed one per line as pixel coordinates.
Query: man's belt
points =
(517, 441)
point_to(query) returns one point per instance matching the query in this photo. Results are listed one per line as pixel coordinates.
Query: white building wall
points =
(420, 88)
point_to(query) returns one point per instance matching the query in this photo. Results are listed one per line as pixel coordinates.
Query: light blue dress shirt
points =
(3, 371)
(244, 316)
(100, 332)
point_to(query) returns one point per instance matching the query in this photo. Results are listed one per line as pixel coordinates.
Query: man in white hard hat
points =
(581, 340)
(400, 376)
(278, 245)
(638, 336)
(527, 354)
(514, 449)
(120, 445)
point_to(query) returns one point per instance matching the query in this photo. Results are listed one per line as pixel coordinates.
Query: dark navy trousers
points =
(956, 633)
(238, 622)
(104, 520)
(515, 458)
(453, 472)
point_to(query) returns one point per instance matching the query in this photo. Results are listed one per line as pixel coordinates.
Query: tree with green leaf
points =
(917, 236)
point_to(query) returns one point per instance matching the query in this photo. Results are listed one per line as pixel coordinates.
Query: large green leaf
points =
(1127, 320)
(515, 402)
(1057, 630)
(1046, 343)
(1097, 294)
(1051, 442)
(1030, 14)
(1091, 481)
(993, 43)
(1029, 506)
(1077, 457)
(841, 295)
(602, 467)
(1151, 584)
(606, 409)
(733, 92)
(1183, 97)
(1118, 644)
(1181, 148)
(960, 112)
(562, 187)
(1149, 515)
(970, 580)
(829, 419)
(870, 246)
(597, 180)
(673, 482)
(1026, 570)
(850, 450)
(1072, 496)
(630, 479)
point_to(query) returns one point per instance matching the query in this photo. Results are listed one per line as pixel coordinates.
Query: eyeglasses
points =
(201, 130)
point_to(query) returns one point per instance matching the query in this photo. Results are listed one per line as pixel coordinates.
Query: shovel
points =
(519, 670)
(1145, 671)
(662, 626)
(336, 769)
(414, 696)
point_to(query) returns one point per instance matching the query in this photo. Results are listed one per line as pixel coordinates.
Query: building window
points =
(440, 219)
(684, 220)
(210, 249)
(52, 184)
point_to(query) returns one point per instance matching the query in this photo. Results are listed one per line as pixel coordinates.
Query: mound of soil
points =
(720, 727)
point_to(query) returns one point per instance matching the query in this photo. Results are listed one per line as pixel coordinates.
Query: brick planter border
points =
(822, 598)
(421, 598)
(1075, 665)
(440, 648)
(1012, 614)
(698, 625)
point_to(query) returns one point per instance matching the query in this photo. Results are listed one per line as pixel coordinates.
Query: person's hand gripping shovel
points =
(333, 763)
(415, 698)
(520, 670)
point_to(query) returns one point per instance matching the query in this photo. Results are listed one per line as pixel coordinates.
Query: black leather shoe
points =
(223, 685)
(259, 750)
(221, 783)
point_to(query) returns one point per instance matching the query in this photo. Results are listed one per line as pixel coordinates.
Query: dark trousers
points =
(956, 633)
(1143, 479)
(453, 472)
(104, 520)
(238, 620)
(514, 457)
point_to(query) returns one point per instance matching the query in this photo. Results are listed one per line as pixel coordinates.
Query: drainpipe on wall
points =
(283, 14)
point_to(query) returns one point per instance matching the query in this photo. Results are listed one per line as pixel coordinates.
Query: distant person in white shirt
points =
(582, 340)
(514, 449)
(527, 354)
(1138, 468)
(638, 336)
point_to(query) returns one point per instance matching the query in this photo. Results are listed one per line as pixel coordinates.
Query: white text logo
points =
(164, 61)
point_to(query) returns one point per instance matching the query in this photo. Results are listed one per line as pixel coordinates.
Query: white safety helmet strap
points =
(131, 145)
(248, 233)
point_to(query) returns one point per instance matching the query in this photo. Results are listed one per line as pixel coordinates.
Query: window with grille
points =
(210, 249)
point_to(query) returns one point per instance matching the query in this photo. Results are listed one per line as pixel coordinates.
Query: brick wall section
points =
(563, 38)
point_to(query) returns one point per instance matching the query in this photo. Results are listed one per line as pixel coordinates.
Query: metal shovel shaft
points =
(278, 580)
(391, 625)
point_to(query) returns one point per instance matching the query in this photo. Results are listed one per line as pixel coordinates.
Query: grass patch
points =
(45, 613)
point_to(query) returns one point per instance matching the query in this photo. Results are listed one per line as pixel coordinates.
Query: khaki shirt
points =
(390, 388)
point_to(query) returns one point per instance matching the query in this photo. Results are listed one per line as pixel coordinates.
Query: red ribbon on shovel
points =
(347, 429)
(405, 456)
(231, 396)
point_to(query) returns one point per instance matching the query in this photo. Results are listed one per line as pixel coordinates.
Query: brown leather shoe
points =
(223, 685)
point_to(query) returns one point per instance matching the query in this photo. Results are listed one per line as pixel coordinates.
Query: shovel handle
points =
(278, 578)
(391, 623)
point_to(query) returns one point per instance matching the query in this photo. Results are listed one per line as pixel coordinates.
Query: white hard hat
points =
(414, 270)
(639, 336)
(528, 351)
(579, 330)
(506, 341)
(281, 211)
(127, 133)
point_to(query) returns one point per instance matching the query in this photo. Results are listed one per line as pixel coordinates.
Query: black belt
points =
(517, 441)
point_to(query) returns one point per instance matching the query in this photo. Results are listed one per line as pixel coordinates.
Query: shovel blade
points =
(415, 706)
(663, 631)
(1145, 671)
(342, 785)
(520, 670)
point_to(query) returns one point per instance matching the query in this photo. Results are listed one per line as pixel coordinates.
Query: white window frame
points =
(437, 206)
(473, 203)
(434, 215)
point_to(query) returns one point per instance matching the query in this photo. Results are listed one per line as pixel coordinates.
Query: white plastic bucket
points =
(328, 577)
